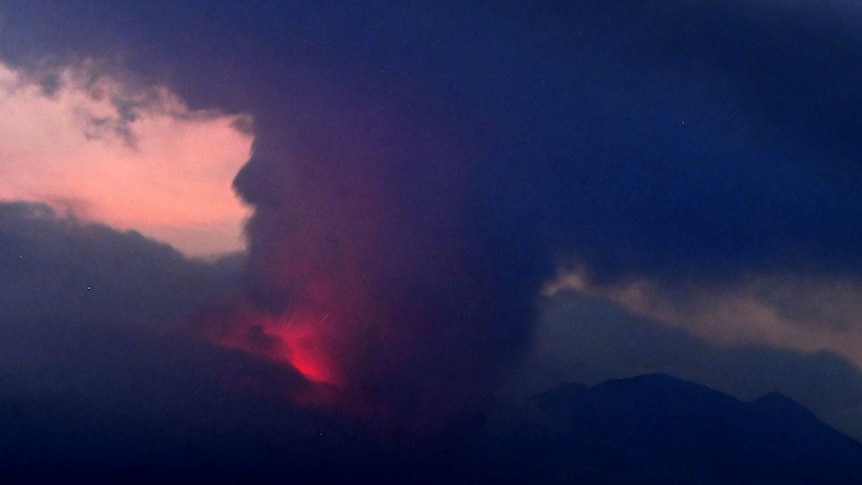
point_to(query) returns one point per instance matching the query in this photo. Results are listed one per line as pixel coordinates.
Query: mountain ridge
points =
(658, 428)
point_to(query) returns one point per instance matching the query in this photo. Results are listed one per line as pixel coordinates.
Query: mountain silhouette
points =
(651, 429)
(659, 429)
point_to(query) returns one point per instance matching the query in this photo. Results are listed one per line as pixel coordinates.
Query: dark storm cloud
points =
(658, 137)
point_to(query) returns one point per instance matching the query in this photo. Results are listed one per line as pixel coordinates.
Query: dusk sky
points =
(423, 204)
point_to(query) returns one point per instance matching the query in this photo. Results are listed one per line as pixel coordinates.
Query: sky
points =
(133, 157)
(469, 196)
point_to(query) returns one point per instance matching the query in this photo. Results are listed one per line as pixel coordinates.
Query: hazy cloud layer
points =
(794, 311)
(57, 268)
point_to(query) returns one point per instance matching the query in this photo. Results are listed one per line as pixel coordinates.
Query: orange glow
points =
(296, 340)
(302, 351)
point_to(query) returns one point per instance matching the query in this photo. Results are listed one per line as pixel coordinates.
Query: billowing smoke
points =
(375, 267)
(414, 179)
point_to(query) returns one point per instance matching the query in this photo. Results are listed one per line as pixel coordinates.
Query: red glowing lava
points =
(298, 340)
(300, 347)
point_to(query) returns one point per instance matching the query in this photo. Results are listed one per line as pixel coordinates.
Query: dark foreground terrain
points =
(647, 429)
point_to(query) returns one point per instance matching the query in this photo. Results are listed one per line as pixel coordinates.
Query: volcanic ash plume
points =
(374, 268)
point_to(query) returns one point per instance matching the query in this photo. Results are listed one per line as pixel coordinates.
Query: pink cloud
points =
(130, 157)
